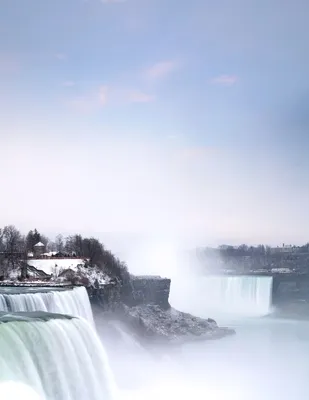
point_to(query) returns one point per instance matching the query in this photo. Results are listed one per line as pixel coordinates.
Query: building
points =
(38, 249)
(283, 249)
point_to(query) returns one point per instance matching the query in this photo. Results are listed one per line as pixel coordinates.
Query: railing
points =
(58, 258)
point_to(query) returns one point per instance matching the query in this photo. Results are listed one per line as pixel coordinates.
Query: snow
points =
(93, 274)
(14, 274)
(40, 244)
(54, 266)
(281, 270)
(33, 283)
(50, 254)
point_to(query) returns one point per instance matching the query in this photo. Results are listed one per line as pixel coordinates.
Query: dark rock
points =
(107, 297)
(146, 290)
(143, 304)
(297, 309)
(170, 325)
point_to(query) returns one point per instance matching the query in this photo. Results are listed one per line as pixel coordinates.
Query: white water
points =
(73, 302)
(13, 390)
(61, 359)
(213, 295)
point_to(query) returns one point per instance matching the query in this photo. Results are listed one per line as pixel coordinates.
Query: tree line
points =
(15, 247)
(260, 250)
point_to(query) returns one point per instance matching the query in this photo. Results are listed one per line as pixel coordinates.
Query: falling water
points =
(60, 357)
(74, 302)
(245, 295)
(13, 390)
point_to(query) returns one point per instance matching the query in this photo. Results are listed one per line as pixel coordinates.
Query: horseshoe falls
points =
(57, 356)
(223, 295)
(73, 302)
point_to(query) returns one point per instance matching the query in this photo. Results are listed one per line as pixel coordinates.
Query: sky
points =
(156, 118)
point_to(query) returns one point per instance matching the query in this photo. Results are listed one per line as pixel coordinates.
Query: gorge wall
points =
(140, 290)
(142, 304)
(290, 287)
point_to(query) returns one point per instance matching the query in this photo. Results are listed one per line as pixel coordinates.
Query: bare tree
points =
(74, 244)
(14, 244)
(11, 238)
(51, 246)
(59, 243)
(2, 247)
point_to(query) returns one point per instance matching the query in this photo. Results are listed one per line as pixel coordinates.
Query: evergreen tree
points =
(32, 239)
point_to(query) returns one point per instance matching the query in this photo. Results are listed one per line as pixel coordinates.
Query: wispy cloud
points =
(137, 96)
(91, 101)
(108, 95)
(161, 69)
(224, 80)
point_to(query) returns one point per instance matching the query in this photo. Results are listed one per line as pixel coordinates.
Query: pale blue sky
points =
(149, 115)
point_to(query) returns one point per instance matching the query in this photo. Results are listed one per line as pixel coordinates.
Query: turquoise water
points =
(73, 302)
(60, 358)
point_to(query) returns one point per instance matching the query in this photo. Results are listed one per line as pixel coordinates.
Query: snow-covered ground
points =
(55, 266)
(93, 274)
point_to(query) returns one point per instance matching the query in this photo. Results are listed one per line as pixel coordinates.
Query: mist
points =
(266, 359)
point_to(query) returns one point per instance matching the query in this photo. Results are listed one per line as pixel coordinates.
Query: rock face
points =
(147, 290)
(287, 287)
(140, 290)
(143, 305)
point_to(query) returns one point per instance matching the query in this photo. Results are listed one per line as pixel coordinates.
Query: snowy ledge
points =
(30, 283)
(61, 275)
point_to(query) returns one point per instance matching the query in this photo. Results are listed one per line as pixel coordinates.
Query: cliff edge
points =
(143, 304)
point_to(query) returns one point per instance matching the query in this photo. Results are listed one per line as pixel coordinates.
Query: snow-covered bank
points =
(54, 266)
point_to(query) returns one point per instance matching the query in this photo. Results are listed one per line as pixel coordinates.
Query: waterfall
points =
(74, 302)
(60, 357)
(242, 295)
(13, 390)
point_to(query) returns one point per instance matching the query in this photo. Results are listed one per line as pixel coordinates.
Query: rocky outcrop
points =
(143, 305)
(170, 325)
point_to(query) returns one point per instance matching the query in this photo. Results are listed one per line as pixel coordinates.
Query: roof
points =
(40, 244)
